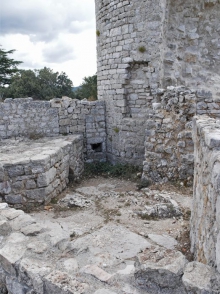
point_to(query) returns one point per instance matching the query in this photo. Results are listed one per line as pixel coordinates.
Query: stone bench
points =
(35, 171)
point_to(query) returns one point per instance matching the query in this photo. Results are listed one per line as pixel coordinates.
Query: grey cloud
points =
(58, 53)
(45, 20)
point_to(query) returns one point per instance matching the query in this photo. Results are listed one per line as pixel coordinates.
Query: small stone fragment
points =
(38, 246)
(3, 206)
(5, 228)
(32, 230)
(163, 240)
(96, 272)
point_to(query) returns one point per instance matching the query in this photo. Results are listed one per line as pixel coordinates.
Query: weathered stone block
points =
(45, 179)
(9, 255)
(5, 188)
(36, 195)
(14, 199)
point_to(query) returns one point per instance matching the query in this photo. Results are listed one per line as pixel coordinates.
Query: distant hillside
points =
(74, 89)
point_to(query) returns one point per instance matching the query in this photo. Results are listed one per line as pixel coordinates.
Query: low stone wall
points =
(205, 220)
(87, 118)
(168, 143)
(23, 117)
(28, 118)
(33, 172)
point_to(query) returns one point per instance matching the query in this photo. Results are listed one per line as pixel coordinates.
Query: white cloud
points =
(59, 34)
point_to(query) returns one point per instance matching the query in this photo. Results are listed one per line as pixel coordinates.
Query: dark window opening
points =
(97, 147)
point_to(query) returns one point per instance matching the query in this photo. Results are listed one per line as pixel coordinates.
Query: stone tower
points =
(146, 45)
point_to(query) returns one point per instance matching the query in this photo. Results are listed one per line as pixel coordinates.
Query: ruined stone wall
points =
(192, 50)
(24, 117)
(168, 145)
(205, 220)
(169, 148)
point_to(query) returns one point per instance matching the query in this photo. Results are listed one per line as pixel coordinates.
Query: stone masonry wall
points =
(192, 50)
(205, 219)
(87, 118)
(34, 172)
(28, 118)
(24, 117)
(146, 45)
(168, 143)
(127, 78)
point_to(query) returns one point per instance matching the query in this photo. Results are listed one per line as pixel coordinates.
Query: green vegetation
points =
(88, 89)
(116, 129)
(8, 68)
(42, 84)
(97, 33)
(142, 49)
(106, 169)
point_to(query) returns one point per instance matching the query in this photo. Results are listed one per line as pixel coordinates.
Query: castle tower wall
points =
(130, 49)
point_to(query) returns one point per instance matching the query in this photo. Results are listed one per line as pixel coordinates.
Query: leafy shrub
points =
(125, 171)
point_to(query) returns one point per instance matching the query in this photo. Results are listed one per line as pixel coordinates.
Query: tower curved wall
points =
(130, 54)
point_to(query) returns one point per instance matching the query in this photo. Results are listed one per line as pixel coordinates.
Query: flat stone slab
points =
(24, 150)
(163, 240)
(97, 272)
(115, 242)
(32, 230)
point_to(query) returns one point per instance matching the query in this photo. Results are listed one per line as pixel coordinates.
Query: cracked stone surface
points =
(103, 248)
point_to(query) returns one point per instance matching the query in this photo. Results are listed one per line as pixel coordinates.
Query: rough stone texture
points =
(23, 117)
(191, 53)
(161, 274)
(164, 240)
(168, 145)
(180, 48)
(110, 259)
(38, 264)
(87, 118)
(127, 78)
(205, 222)
(36, 171)
(199, 278)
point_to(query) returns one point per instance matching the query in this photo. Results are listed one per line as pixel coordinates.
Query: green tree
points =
(8, 68)
(88, 89)
(23, 84)
(43, 84)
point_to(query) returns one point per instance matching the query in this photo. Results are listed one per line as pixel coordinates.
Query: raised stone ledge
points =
(33, 172)
(205, 220)
(27, 118)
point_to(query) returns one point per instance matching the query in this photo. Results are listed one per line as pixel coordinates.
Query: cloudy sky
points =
(59, 34)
